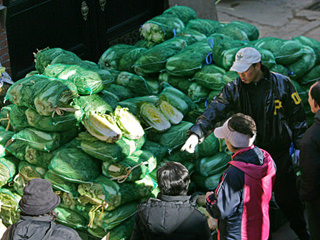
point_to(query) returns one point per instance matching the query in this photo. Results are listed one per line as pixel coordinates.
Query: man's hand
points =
(191, 143)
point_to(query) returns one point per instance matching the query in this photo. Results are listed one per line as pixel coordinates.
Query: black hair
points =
(243, 124)
(173, 179)
(315, 92)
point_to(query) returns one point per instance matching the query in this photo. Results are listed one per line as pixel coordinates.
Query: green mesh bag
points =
(314, 44)
(137, 84)
(280, 69)
(210, 76)
(134, 167)
(143, 43)
(205, 26)
(18, 118)
(61, 184)
(110, 195)
(311, 77)
(132, 103)
(109, 220)
(37, 157)
(181, 83)
(229, 76)
(189, 60)
(71, 218)
(112, 56)
(4, 117)
(8, 169)
(304, 64)
(74, 165)
(46, 56)
(161, 28)
(156, 149)
(5, 136)
(129, 58)
(285, 51)
(116, 151)
(169, 111)
(9, 201)
(234, 31)
(87, 81)
(57, 123)
(212, 165)
(191, 35)
(154, 60)
(120, 91)
(209, 147)
(251, 31)
(184, 13)
(206, 183)
(109, 98)
(198, 92)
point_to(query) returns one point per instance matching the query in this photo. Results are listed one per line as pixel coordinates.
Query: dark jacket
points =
(241, 200)
(170, 218)
(310, 162)
(36, 228)
(281, 112)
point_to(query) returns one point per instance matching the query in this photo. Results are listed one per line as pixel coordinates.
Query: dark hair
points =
(315, 92)
(173, 179)
(243, 124)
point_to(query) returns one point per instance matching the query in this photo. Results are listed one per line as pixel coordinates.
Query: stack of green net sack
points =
(99, 131)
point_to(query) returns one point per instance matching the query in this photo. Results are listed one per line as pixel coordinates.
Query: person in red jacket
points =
(240, 203)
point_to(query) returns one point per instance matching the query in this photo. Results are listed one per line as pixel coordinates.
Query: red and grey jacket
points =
(281, 117)
(240, 203)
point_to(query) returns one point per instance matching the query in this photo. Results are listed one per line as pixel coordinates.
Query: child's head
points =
(173, 179)
(239, 132)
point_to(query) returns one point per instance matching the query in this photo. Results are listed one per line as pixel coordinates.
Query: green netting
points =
(210, 76)
(198, 92)
(303, 64)
(110, 98)
(27, 172)
(285, 51)
(9, 201)
(143, 43)
(154, 84)
(184, 13)
(311, 77)
(70, 201)
(46, 56)
(314, 44)
(154, 60)
(128, 123)
(156, 149)
(230, 76)
(189, 60)
(137, 84)
(152, 117)
(161, 28)
(24, 91)
(129, 58)
(191, 35)
(109, 151)
(4, 117)
(18, 118)
(109, 220)
(87, 81)
(112, 56)
(251, 31)
(37, 157)
(132, 103)
(280, 69)
(61, 184)
(212, 165)
(71, 218)
(4, 138)
(120, 91)
(181, 83)
(74, 165)
(110, 195)
(8, 169)
(206, 183)
(43, 141)
(234, 31)
(205, 26)
(209, 147)
(134, 167)
(57, 123)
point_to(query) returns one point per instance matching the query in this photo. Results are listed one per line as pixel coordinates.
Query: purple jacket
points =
(241, 200)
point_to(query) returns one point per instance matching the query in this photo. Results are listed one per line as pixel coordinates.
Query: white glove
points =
(296, 157)
(191, 143)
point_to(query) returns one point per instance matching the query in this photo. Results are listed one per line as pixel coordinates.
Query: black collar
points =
(168, 198)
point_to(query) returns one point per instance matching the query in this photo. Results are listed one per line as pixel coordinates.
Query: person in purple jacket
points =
(240, 203)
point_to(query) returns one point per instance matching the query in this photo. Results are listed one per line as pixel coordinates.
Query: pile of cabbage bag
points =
(99, 131)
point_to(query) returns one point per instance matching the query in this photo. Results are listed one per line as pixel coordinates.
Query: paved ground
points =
(284, 19)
